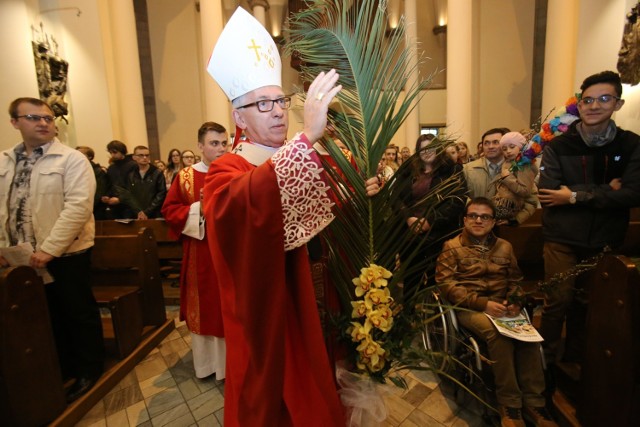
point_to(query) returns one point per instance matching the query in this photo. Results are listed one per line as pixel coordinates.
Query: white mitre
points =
(245, 57)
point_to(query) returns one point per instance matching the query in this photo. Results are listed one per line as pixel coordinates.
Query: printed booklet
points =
(518, 327)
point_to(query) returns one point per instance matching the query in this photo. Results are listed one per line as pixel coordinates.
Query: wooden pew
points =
(126, 280)
(169, 250)
(168, 247)
(31, 390)
(527, 242)
(607, 390)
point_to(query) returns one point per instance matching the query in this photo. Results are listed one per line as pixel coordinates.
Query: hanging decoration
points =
(629, 54)
(51, 71)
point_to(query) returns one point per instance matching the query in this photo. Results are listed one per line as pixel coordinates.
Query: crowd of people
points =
(241, 218)
(133, 186)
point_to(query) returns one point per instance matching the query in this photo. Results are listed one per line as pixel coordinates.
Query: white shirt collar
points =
(201, 167)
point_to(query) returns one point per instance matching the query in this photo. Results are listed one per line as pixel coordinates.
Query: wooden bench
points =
(168, 247)
(126, 280)
(169, 250)
(528, 243)
(31, 390)
(608, 389)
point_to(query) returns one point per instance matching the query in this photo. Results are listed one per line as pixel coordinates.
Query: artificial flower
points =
(381, 319)
(361, 286)
(377, 296)
(376, 275)
(359, 331)
(557, 125)
(370, 349)
(359, 309)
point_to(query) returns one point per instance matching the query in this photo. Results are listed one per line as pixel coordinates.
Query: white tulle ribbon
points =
(362, 398)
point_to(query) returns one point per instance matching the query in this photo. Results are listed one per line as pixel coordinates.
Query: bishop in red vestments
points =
(262, 204)
(199, 292)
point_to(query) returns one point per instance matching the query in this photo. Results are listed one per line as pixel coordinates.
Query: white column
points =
(217, 107)
(259, 8)
(412, 124)
(127, 82)
(560, 53)
(460, 70)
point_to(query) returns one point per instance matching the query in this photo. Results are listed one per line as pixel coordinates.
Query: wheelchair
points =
(458, 357)
(455, 353)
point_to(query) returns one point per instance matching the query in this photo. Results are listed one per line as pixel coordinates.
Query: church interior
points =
(135, 71)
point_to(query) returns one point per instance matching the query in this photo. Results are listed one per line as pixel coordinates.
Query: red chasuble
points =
(199, 292)
(278, 372)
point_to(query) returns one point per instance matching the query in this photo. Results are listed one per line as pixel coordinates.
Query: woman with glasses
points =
(174, 164)
(433, 194)
(188, 158)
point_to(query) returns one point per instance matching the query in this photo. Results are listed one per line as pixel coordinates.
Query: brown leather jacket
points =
(471, 275)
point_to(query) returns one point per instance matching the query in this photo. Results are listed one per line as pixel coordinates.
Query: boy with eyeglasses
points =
(478, 272)
(589, 180)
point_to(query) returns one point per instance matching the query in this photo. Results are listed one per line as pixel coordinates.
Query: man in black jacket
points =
(589, 180)
(145, 188)
(120, 164)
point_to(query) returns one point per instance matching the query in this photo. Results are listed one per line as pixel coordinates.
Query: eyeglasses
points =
(188, 157)
(602, 99)
(143, 155)
(475, 216)
(37, 118)
(266, 105)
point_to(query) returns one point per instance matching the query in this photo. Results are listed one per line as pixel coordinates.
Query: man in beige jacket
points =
(46, 201)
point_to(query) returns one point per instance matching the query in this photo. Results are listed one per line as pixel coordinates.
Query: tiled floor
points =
(163, 391)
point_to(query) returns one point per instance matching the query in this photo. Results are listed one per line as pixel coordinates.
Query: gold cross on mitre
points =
(245, 57)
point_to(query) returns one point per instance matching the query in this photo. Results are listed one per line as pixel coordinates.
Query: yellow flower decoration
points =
(364, 364)
(361, 286)
(359, 309)
(374, 308)
(381, 319)
(359, 331)
(377, 296)
(374, 275)
(371, 350)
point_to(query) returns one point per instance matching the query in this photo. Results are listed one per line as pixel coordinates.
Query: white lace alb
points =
(306, 206)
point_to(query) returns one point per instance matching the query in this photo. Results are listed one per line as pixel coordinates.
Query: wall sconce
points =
(393, 17)
(440, 29)
(440, 14)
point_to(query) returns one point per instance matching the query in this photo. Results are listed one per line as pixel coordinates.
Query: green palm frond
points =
(377, 72)
(374, 72)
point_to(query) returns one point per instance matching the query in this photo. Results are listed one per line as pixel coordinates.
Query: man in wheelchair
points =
(478, 272)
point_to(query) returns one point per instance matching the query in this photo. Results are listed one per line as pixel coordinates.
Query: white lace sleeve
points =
(306, 206)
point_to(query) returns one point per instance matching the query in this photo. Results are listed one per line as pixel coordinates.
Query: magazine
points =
(518, 327)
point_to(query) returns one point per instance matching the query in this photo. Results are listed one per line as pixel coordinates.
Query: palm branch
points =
(377, 96)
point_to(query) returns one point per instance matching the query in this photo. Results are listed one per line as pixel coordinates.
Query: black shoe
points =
(80, 387)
